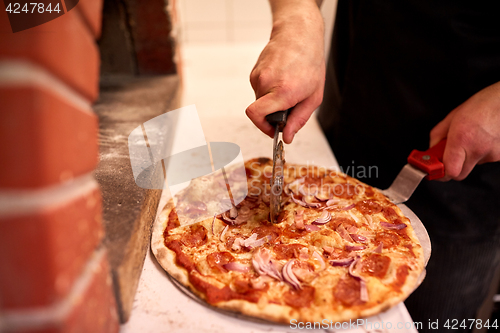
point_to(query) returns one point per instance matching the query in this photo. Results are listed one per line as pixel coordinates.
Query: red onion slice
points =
(352, 267)
(324, 218)
(328, 249)
(297, 201)
(343, 233)
(308, 200)
(355, 247)
(306, 191)
(311, 227)
(319, 258)
(349, 207)
(358, 238)
(363, 292)
(369, 219)
(354, 217)
(322, 196)
(237, 267)
(256, 242)
(250, 240)
(289, 276)
(391, 226)
(263, 264)
(238, 243)
(379, 248)
(332, 202)
(295, 182)
(286, 189)
(341, 262)
(299, 220)
(222, 236)
(274, 271)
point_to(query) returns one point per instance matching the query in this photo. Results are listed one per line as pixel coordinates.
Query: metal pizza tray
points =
(417, 225)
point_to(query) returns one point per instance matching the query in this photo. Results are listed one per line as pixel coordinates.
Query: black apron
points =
(396, 69)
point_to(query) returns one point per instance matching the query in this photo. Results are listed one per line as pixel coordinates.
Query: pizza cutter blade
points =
(428, 164)
(278, 120)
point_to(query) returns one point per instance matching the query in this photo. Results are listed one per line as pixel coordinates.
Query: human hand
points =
(473, 133)
(290, 71)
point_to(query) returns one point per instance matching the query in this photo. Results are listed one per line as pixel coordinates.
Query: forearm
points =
(295, 10)
(290, 71)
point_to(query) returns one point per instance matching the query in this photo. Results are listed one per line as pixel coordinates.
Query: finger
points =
(297, 118)
(267, 104)
(453, 159)
(467, 167)
(440, 131)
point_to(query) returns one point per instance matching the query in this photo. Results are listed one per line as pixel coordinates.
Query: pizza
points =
(340, 251)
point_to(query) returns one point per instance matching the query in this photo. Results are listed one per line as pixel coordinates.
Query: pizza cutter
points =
(428, 164)
(278, 120)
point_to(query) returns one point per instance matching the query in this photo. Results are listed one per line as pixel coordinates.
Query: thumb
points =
(297, 118)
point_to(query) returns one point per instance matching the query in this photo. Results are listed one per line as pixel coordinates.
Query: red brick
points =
(97, 312)
(64, 46)
(91, 10)
(93, 311)
(44, 252)
(45, 139)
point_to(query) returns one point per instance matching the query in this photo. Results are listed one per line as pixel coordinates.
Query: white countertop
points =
(160, 307)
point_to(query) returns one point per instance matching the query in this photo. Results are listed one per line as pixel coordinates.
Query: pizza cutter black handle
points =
(278, 119)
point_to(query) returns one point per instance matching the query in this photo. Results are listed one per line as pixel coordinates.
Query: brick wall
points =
(54, 274)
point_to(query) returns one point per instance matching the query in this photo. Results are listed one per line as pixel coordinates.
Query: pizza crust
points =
(274, 312)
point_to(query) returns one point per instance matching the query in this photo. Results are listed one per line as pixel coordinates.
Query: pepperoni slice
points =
(266, 230)
(301, 298)
(337, 221)
(216, 260)
(369, 192)
(376, 265)
(368, 207)
(196, 236)
(345, 191)
(287, 251)
(310, 180)
(337, 253)
(348, 291)
(390, 214)
(388, 238)
(401, 274)
(294, 233)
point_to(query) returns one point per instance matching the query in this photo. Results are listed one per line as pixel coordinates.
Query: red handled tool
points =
(428, 164)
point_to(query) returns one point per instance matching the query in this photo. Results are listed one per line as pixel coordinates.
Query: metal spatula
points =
(428, 164)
